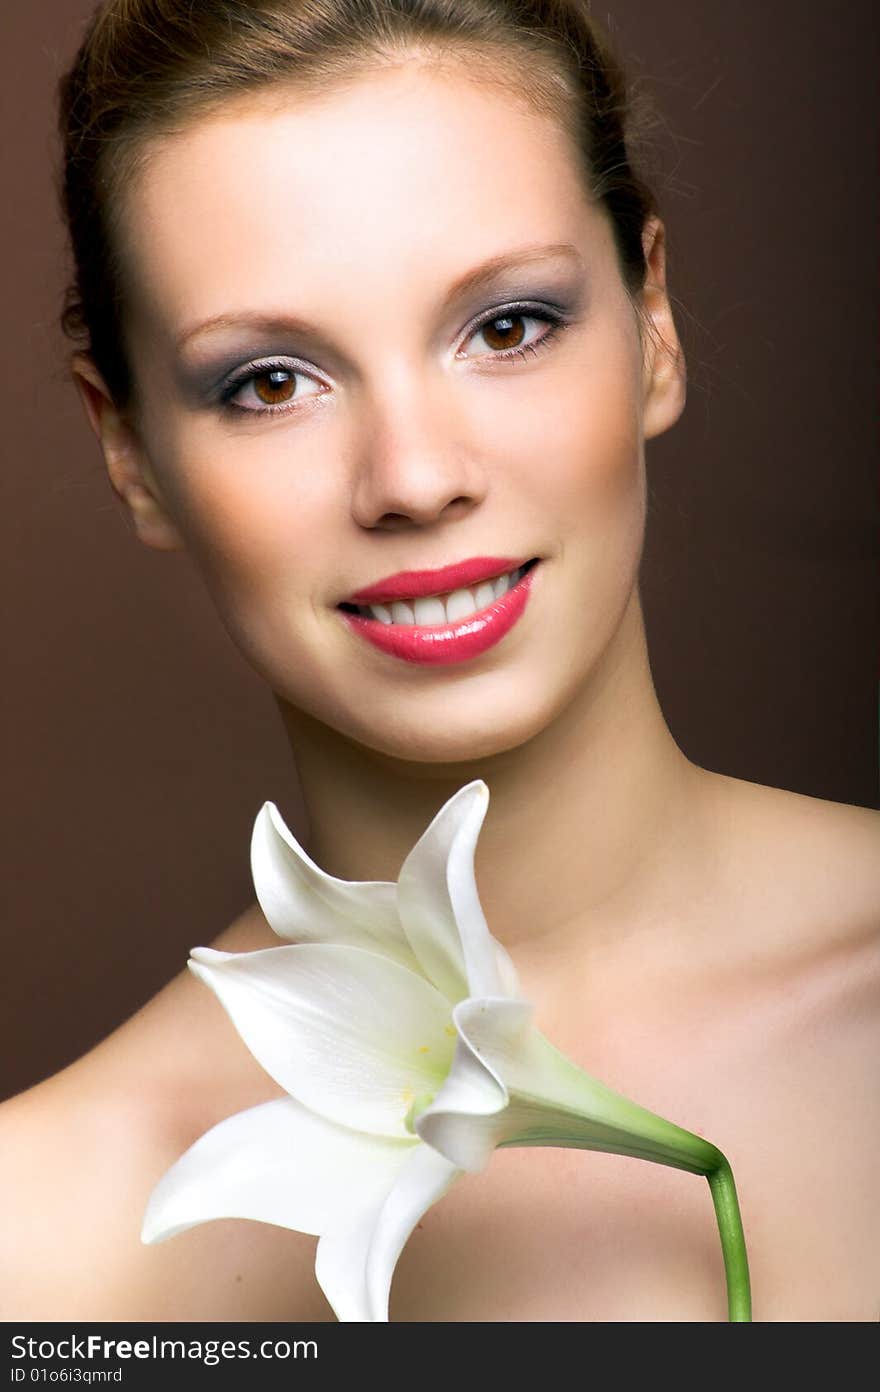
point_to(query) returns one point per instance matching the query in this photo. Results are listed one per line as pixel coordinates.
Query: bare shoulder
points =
(801, 885)
(81, 1152)
(817, 858)
(804, 1035)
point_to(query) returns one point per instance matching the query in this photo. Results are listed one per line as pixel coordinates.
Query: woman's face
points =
(384, 331)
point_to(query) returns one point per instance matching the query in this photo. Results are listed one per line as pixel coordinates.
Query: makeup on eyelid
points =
(222, 387)
(202, 375)
(254, 371)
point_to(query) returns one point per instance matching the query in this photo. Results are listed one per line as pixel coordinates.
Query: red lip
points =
(416, 584)
(434, 644)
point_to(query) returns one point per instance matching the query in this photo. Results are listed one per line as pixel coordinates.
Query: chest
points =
(576, 1236)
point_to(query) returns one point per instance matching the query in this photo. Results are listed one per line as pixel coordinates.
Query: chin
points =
(460, 735)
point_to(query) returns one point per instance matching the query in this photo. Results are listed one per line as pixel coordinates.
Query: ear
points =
(123, 455)
(665, 373)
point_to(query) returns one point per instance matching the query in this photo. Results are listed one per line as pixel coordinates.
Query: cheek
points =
(575, 446)
(260, 527)
(256, 512)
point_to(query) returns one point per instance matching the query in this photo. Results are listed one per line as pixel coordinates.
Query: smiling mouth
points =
(442, 609)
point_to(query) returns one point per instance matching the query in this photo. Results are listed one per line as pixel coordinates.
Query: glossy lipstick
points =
(416, 584)
(448, 642)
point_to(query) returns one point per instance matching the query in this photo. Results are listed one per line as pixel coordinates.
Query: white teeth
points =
(441, 609)
(484, 594)
(460, 605)
(431, 610)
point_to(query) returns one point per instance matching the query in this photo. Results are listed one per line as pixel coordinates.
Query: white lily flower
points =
(396, 1029)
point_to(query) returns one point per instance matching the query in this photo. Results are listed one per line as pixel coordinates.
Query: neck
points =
(587, 821)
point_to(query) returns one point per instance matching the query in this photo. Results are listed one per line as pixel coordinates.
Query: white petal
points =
(439, 905)
(303, 904)
(276, 1163)
(469, 1115)
(355, 1263)
(352, 1035)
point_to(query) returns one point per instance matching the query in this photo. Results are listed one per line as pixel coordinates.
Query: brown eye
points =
(270, 388)
(514, 332)
(504, 332)
(275, 387)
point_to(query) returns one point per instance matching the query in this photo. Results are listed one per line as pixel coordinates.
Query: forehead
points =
(402, 178)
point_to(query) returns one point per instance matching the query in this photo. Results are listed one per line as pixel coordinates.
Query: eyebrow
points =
(472, 280)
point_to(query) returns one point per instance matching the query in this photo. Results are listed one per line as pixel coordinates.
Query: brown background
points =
(137, 745)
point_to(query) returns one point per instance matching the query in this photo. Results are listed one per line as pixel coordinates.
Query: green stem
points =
(733, 1245)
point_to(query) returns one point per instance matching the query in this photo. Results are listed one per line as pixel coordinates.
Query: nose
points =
(413, 465)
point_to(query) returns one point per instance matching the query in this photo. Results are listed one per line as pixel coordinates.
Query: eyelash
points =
(555, 320)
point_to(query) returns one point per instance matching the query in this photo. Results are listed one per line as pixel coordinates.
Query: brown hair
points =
(147, 67)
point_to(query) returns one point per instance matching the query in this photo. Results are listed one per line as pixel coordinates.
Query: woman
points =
(420, 352)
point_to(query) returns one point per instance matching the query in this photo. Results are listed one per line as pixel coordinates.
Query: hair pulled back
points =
(146, 68)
